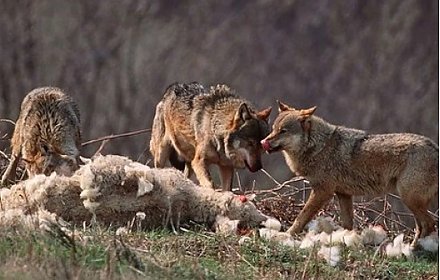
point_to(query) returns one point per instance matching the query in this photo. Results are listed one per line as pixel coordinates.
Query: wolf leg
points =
(227, 176)
(425, 224)
(318, 198)
(346, 207)
(162, 153)
(200, 168)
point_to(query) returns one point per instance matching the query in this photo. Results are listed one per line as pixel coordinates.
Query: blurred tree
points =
(366, 64)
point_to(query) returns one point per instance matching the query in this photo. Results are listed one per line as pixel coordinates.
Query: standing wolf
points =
(47, 134)
(351, 162)
(208, 127)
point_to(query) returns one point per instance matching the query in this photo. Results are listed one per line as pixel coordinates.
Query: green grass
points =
(100, 254)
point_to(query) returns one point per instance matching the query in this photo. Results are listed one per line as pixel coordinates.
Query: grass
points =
(98, 253)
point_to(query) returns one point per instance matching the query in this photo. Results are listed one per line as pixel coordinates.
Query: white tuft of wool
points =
(244, 239)
(267, 233)
(373, 235)
(141, 215)
(307, 242)
(272, 223)
(322, 224)
(144, 187)
(87, 177)
(398, 248)
(430, 243)
(338, 236)
(135, 167)
(281, 237)
(225, 225)
(352, 239)
(323, 237)
(4, 192)
(91, 206)
(291, 243)
(331, 254)
(89, 194)
(85, 160)
(121, 231)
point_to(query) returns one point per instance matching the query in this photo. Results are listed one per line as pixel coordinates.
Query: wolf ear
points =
(243, 113)
(284, 107)
(264, 114)
(307, 112)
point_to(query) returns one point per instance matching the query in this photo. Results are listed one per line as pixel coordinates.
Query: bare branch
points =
(114, 136)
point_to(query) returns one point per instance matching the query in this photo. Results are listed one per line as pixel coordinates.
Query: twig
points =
(385, 217)
(280, 186)
(7, 121)
(101, 147)
(270, 176)
(114, 136)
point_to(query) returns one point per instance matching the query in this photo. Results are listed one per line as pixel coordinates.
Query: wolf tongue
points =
(265, 144)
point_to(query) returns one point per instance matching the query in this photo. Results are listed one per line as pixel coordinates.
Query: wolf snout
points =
(266, 145)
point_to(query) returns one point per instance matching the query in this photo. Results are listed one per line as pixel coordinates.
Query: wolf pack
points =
(195, 127)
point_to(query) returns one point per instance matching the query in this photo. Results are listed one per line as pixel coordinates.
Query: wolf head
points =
(247, 129)
(290, 130)
(49, 160)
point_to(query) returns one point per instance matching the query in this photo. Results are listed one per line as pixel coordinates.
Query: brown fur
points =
(208, 127)
(47, 134)
(348, 162)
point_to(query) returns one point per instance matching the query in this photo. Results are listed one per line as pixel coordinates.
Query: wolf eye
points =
(282, 130)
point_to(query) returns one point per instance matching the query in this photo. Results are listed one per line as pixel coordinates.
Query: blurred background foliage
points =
(371, 64)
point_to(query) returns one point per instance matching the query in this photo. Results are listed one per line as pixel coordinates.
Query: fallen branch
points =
(7, 121)
(114, 136)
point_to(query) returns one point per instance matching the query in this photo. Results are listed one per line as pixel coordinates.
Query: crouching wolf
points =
(46, 135)
(347, 162)
(203, 127)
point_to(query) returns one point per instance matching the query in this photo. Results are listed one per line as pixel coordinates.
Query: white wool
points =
(144, 186)
(392, 251)
(35, 182)
(373, 235)
(398, 240)
(291, 243)
(225, 225)
(338, 236)
(430, 243)
(323, 238)
(398, 248)
(91, 206)
(85, 160)
(87, 177)
(272, 224)
(352, 239)
(331, 254)
(135, 167)
(121, 231)
(407, 250)
(267, 233)
(89, 194)
(244, 239)
(281, 237)
(141, 216)
(4, 192)
(322, 224)
(307, 242)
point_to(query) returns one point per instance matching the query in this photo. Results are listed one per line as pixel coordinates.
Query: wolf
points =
(348, 162)
(47, 135)
(202, 127)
